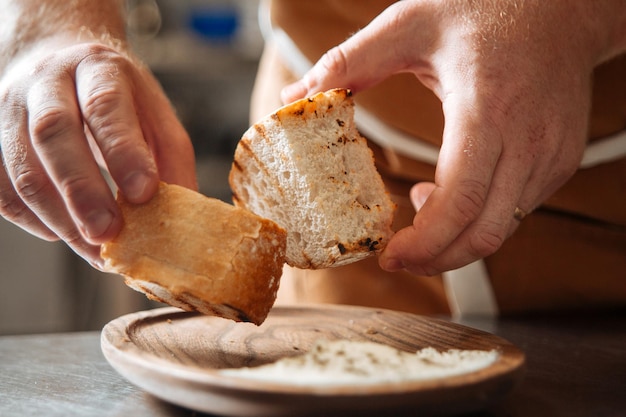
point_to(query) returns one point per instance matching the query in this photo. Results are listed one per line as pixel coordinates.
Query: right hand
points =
(63, 114)
(515, 93)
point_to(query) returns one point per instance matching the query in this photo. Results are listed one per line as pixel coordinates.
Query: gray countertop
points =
(576, 366)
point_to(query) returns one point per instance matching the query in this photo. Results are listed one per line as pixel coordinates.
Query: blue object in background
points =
(217, 24)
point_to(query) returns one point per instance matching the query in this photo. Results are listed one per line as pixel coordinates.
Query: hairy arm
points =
(75, 101)
(29, 24)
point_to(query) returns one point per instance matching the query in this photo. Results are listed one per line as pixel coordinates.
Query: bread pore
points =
(307, 168)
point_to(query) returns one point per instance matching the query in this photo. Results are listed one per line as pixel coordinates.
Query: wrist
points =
(35, 26)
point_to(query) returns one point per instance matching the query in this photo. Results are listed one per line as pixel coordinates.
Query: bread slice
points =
(307, 168)
(199, 253)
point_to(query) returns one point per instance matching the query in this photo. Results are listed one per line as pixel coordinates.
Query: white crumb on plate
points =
(345, 362)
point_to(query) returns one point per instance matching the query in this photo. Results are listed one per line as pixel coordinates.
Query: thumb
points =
(391, 43)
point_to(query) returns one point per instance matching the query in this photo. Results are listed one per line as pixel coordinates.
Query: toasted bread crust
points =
(199, 253)
(307, 168)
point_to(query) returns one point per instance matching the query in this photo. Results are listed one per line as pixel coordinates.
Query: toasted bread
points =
(199, 253)
(307, 168)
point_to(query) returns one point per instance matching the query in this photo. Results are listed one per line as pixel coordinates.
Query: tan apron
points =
(568, 254)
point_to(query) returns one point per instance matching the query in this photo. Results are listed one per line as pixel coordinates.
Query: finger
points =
(531, 166)
(14, 148)
(371, 55)
(105, 97)
(57, 135)
(496, 222)
(13, 209)
(419, 194)
(490, 229)
(16, 158)
(28, 197)
(466, 165)
(166, 137)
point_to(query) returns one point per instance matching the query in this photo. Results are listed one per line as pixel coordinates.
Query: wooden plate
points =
(176, 356)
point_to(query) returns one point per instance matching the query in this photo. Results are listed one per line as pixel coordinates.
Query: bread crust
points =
(307, 168)
(199, 254)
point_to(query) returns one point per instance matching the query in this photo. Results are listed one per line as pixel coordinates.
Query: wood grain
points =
(177, 355)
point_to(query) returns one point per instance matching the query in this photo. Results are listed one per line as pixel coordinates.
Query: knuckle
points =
(335, 62)
(74, 186)
(109, 131)
(100, 101)
(105, 63)
(116, 146)
(432, 251)
(468, 201)
(99, 54)
(49, 123)
(30, 184)
(72, 237)
(11, 207)
(486, 241)
(99, 110)
(95, 48)
(106, 75)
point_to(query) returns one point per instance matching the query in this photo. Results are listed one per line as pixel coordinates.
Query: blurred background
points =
(205, 53)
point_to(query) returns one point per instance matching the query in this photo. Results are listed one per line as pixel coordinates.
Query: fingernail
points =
(392, 264)
(134, 186)
(421, 199)
(418, 198)
(97, 223)
(293, 92)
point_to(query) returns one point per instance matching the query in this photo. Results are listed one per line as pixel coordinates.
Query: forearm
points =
(597, 29)
(28, 24)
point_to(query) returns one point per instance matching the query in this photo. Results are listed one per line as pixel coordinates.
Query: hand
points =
(514, 81)
(63, 113)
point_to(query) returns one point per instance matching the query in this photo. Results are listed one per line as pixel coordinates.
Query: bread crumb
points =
(344, 362)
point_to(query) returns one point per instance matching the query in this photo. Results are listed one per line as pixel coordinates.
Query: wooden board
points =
(177, 355)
